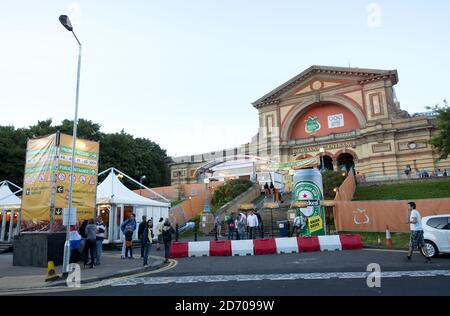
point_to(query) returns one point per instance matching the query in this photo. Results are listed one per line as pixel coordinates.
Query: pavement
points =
(112, 266)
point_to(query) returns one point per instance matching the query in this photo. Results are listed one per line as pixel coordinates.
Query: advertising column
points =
(85, 179)
(307, 185)
(37, 184)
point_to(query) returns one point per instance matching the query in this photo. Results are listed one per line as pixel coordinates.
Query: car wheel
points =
(431, 249)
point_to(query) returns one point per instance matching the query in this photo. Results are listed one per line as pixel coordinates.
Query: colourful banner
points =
(285, 166)
(85, 177)
(37, 185)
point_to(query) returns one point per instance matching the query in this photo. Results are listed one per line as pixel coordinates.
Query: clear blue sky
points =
(184, 73)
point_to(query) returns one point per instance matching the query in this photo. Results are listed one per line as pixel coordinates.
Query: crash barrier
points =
(265, 246)
(242, 247)
(308, 244)
(220, 248)
(351, 241)
(286, 245)
(179, 249)
(330, 243)
(198, 249)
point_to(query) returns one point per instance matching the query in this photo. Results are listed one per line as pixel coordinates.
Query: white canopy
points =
(8, 200)
(112, 191)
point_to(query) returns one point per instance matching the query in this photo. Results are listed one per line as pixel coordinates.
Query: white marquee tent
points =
(9, 204)
(113, 196)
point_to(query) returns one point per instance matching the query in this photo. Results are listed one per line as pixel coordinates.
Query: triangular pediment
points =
(317, 78)
(316, 84)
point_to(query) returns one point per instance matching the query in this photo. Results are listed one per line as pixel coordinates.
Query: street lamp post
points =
(140, 189)
(206, 209)
(254, 170)
(322, 151)
(65, 21)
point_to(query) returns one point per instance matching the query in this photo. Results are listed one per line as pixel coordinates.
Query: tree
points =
(134, 156)
(441, 141)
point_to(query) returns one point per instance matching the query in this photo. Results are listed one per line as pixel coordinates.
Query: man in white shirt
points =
(415, 221)
(252, 222)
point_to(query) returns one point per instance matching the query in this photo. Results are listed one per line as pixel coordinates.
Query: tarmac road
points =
(318, 273)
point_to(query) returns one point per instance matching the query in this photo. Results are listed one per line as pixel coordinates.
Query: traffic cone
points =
(388, 237)
(51, 272)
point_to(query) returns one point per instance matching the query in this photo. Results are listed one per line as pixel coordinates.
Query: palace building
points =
(348, 117)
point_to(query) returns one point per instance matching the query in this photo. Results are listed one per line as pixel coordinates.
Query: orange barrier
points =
(374, 216)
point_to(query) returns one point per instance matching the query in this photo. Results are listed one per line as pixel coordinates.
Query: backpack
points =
(231, 225)
(227, 218)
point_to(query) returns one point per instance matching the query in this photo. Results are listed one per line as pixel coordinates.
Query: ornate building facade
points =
(349, 117)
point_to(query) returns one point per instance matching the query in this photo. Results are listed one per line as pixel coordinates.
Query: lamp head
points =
(65, 21)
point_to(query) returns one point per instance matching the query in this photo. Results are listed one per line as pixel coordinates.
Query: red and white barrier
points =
(330, 243)
(308, 244)
(220, 248)
(179, 250)
(351, 241)
(287, 245)
(242, 248)
(265, 246)
(198, 248)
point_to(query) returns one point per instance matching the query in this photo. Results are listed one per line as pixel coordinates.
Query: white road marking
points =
(275, 277)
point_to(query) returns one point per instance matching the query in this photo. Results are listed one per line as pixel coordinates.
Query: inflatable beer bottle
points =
(307, 185)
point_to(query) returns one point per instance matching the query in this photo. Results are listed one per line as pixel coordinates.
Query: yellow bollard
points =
(51, 272)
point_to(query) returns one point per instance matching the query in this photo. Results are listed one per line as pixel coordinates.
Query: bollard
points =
(176, 232)
(262, 231)
(289, 229)
(215, 233)
(195, 232)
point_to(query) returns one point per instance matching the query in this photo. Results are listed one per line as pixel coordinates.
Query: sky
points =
(184, 73)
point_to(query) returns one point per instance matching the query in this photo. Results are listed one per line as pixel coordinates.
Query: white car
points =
(436, 231)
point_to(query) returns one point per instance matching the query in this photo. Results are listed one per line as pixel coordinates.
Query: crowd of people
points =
(86, 242)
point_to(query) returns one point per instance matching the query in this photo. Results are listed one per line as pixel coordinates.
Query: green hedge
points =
(229, 191)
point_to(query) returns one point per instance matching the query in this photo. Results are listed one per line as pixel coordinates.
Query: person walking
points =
(141, 228)
(159, 231)
(74, 241)
(101, 228)
(82, 232)
(241, 225)
(416, 240)
(91, 236)
(129, 242)
(147, 240)
(252, 222)
(260, 224)
(266, 189)
(167, 232)
(132, 222)
(218, 226)
(231, 225)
